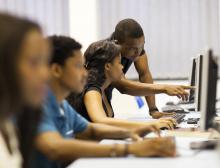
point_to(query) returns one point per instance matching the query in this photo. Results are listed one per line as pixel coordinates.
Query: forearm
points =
(68, 150)
(136, 88)
(103, 131)
(122, 123)
(151, 98)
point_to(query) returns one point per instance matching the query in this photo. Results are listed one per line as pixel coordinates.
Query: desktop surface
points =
(187, 158)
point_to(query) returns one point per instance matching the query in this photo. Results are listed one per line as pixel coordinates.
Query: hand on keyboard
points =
(177, 117)
(167, 122)
(157, 114)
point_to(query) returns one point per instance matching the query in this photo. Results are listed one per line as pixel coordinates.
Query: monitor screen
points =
(208, 91)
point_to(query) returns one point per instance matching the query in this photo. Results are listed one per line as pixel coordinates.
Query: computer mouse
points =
(175, 126)
(170, 103)
(164, 128)
(192, 121)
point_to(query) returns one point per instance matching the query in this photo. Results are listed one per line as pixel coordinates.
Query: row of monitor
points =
(204, 76)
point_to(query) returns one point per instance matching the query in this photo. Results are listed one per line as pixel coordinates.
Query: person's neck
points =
(59, 92)
(105, 85)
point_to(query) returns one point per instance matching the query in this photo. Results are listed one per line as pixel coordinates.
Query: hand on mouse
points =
(144, 130)
(164, 147)
(168, 123)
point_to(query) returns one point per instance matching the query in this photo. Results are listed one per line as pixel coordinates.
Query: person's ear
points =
(107, 66)
(56, 70)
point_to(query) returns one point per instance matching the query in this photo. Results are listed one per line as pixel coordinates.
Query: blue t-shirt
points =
(60, 118)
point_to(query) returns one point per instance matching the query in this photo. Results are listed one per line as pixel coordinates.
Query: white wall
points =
(52, 15)
(83, 21)
(175, 30)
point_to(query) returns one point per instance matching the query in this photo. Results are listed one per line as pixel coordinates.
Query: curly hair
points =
(96, 56)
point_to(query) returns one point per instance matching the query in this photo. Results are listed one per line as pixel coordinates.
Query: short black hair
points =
(63, 47)
(127, 28)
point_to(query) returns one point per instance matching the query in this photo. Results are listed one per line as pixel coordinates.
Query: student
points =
(130, 37)
(103, 63)
(64, 135)
(24, 73)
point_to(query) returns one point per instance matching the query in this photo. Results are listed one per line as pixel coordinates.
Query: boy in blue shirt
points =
(64, 135)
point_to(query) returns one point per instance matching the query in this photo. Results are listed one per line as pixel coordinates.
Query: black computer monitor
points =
(192, 81)
(208, 91)
(198, 82)
(199, 67)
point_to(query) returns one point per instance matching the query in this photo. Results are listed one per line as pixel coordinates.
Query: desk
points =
(203, 160)
(187, 157)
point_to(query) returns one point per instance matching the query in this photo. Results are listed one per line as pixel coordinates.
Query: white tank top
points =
(7, 160)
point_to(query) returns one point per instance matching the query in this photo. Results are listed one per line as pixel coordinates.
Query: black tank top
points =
(77, 101)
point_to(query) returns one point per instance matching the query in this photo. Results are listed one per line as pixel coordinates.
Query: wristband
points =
(151, 110)
(113, 152)
(126, 149)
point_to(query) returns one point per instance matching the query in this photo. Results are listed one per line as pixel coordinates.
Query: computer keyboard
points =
(178, 117)
(180, 102)
(185, 102)
(174, 108)
(187, 105)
